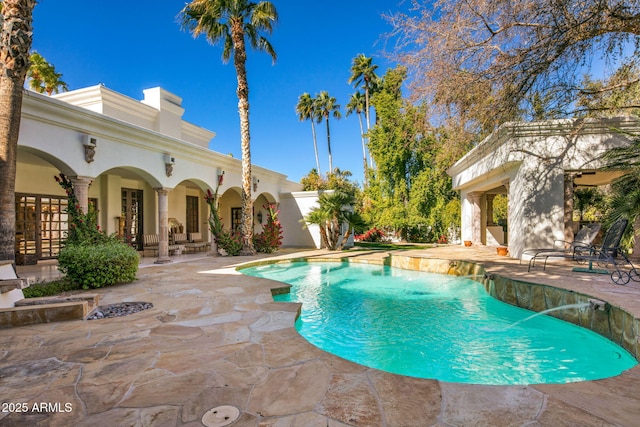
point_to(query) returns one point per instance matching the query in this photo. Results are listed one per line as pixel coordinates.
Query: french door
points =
(131, 226)
(41, 226)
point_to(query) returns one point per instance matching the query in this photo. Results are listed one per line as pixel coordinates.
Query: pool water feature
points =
(437, 326)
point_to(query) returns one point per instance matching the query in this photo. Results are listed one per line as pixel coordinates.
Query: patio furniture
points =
(152, 242)
(196, 242)
(610, 255)
(581, 243)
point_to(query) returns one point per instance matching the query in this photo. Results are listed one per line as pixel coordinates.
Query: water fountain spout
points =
(597, 305)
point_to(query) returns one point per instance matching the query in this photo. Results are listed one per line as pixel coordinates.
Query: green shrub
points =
(98, 265)
(271, 237)
(48, 289)
(230, 241)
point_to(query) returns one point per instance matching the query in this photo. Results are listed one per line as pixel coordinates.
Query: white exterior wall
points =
(293, 207)
(133, 141)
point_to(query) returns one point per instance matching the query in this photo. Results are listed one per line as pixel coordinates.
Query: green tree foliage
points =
(357, 105)
(615, 96)
(42, 76)
(624, 201)
(306, 110)
(338, 180)
(327, 106)
(234, 24)
(409, 191)
(363, 75)
(335, 218)
(587, 203)
(481, 63)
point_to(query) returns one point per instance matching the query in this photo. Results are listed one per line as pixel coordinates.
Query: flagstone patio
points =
(215, 338)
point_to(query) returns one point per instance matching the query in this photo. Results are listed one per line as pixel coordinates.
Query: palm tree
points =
(335, 218)
(357, 105)
(232, 23)
(363, 74)
(625, 200)
(43, 77)
(16, 20)
(326, 107)
(306, 109)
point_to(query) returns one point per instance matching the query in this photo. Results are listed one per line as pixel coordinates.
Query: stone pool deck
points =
(216, 338)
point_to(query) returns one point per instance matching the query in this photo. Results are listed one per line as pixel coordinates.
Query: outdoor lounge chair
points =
(609, 255)
(581, 243)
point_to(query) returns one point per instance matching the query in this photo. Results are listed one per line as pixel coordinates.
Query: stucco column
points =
(490, 198)
(568, 207)
(476, 216)
(81, 191)
(507, 185)
(163, 225)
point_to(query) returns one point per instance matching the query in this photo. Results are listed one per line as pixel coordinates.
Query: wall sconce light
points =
(89, 142)
(220, 176)
(169, 161)
(260, 217)
(255, 183)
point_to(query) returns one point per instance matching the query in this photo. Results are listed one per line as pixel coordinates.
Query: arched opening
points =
(41, 206)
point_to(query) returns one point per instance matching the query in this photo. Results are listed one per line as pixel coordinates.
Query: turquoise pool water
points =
(437, 326)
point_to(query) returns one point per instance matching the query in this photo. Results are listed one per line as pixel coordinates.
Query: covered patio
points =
(536, 165)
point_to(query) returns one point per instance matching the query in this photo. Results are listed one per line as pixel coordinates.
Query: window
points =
(236, 219)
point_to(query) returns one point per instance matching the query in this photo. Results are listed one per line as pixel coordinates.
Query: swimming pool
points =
(437, 326)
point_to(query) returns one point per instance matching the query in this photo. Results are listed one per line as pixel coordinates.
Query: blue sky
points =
(131, 46)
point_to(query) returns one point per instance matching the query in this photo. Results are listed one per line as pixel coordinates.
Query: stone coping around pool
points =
(608, 320)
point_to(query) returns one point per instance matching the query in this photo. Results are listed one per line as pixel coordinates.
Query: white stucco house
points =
(537, 165)
(140, 165)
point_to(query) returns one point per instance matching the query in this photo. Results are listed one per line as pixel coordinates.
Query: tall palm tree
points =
(232, 23)
(42, 76)
(326, 107)
(357, 105)
(306, 109)
(16, 27)
(363, 75)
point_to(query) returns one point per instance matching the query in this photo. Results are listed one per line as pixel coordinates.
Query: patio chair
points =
(610, 255)
(582, 241)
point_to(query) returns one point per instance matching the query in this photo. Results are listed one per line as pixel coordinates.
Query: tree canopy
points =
(234, 23)
(408, 190)
(42, 76)
(485, 62)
